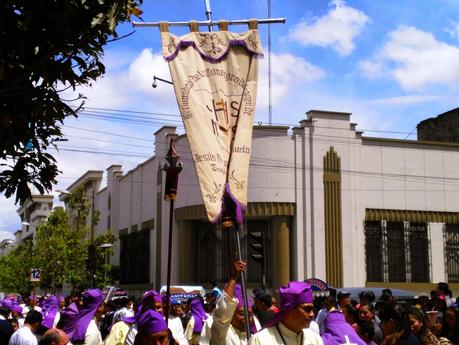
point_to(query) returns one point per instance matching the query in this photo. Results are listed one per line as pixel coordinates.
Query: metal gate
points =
(452, 252)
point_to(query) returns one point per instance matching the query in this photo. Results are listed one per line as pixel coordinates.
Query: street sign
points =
(35, 275)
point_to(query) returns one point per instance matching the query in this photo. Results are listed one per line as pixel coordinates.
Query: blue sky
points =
(390, 63)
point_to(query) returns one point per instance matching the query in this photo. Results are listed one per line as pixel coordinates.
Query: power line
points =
(120, 111)
(108, 133)
(107, 141)
(281, 164)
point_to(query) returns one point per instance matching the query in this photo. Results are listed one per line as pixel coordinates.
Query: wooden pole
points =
(244, 292)
(169, 260)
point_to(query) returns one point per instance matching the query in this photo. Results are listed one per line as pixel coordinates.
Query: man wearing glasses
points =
(290, 325)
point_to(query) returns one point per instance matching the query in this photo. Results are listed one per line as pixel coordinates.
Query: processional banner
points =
(215, 80)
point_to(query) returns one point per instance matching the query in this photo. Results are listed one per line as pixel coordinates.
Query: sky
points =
(390, 63)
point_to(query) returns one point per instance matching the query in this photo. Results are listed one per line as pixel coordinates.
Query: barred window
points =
(452, 252)
(397, 251)
(419, 254)
(373, 251)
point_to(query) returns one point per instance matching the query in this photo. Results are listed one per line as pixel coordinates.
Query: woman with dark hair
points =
(396, 327)
(450, 329)
(367, 314)
(351, 314)
(420, 327)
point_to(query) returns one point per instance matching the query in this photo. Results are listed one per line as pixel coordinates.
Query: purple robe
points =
(92, 299)
(49, 314)
(69, 320)
(199, 315)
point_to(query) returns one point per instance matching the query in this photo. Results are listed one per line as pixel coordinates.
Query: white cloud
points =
(416, 60)
(9, 220)
(287, 71)
(405, 100)
(6, 235)
(371, 69)
(337, 29)
(128, 83)
(453, 30)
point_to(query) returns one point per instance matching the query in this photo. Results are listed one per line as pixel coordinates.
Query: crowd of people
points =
(222, 317)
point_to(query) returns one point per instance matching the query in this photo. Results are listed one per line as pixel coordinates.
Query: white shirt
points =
(92, 336)
(206, 331)
(23, 336)
(222, 332)
(175, 325)
(281, 335)
(313, 326)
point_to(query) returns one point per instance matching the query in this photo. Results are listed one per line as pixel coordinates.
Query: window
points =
(452, 252)
(135, 258)
(397, 251)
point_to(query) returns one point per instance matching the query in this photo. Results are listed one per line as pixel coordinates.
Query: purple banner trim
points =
(239, 208)
(210, 59)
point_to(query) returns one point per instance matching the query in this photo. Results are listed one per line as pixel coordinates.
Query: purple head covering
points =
(69, 320)
(132, 318)
(151, 322)
(338, 331)
(8, 303)
(291, 296)
(149, 298)
(92, 299)
(199, 315)
(240, 298)
(50, 312)
(238, 295)
(16, 308)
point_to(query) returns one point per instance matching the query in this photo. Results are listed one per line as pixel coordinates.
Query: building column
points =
(437, 252)
(280, 251)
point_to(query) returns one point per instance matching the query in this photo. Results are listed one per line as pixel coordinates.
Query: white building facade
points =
(33, 212)
(330, 203)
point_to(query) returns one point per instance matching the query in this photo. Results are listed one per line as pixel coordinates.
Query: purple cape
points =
(49, 314)
(337, 331)
(92, 299)
(69, 320)
(199, 315)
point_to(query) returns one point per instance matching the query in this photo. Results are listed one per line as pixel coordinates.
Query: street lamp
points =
(155, 84)
(91, 248)
(106, 247)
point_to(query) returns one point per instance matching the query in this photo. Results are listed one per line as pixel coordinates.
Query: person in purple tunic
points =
(87, 331)
(194, 327)
(50, 312)
(69, 320)
(338, 332)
